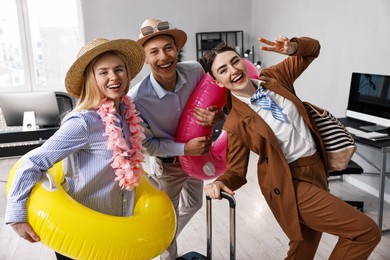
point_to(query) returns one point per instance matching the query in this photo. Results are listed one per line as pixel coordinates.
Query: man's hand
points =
(208, 116)
(197, 146)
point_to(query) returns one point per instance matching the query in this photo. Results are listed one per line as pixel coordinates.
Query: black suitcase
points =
(232, 228)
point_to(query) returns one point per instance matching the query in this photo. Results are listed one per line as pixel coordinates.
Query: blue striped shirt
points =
(89, 178)
(161, 109)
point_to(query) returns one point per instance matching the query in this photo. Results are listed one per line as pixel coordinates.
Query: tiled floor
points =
(258, 235)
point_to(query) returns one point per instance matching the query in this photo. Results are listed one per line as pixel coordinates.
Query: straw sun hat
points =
(179, 35)
(132, 50)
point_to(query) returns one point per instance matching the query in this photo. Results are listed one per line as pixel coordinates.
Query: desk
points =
(384, 147)
(19, 143)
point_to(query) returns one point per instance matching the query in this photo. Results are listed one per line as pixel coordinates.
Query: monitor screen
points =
(369, 98)
(44, 104)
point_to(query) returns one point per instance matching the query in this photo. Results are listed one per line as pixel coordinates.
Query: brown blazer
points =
(249, 132)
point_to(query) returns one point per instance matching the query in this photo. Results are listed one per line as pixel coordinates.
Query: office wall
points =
(353, 35)
(123, 18)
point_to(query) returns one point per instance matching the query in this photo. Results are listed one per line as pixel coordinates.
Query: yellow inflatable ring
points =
(78, 232)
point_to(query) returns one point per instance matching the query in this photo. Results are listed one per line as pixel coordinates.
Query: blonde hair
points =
(91, 96)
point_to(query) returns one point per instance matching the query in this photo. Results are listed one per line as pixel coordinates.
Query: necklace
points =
(126, 162)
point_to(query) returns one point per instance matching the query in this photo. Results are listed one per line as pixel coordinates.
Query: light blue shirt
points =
(161, 109)
(89, 178)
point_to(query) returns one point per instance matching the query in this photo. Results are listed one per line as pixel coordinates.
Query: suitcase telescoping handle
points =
(232, 225)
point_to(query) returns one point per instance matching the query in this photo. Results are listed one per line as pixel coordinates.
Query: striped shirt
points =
(89, 178)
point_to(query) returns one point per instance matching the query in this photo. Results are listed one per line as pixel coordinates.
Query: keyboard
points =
(354, 131)
(373, 136)
(26, 143)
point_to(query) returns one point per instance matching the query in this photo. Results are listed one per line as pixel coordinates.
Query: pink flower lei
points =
(126, 162)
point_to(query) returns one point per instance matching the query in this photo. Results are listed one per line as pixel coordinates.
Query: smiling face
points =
(161, 54)
(231, 72)
(111, 76)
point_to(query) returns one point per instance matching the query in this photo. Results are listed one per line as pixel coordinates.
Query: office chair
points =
(65, 103)
(353, 168)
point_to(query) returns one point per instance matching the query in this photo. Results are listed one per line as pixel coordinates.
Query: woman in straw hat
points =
(100, 141)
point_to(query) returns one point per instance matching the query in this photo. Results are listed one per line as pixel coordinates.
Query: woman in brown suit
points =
(269, 119)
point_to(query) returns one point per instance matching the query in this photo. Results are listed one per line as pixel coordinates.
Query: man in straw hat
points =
(100, 79)
(160, 97)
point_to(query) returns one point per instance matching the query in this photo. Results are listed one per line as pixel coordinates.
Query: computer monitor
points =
(44, 104)
(369, 100)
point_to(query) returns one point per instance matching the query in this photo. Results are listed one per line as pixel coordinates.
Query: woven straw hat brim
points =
(132, 50)
(179, 36)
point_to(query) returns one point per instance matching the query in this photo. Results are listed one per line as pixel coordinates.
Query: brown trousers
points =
(319, 211)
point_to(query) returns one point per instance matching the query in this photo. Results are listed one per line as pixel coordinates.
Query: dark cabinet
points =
(206, 41)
